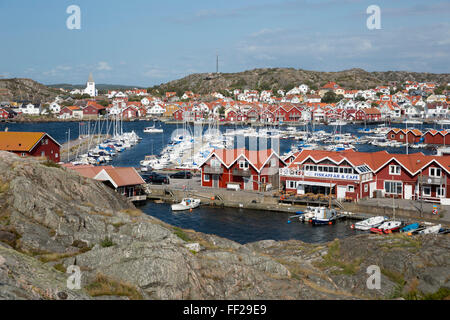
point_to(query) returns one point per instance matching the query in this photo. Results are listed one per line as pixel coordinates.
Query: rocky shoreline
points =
(51, 219)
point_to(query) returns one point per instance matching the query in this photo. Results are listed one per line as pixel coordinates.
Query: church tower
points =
(90, 87)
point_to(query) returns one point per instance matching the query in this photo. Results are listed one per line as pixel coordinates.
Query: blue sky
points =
(144, 42)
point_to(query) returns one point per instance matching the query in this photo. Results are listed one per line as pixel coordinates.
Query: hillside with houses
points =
(303, 102)
(287, 78)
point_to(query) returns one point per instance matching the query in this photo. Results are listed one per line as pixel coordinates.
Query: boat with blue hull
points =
(410, 227)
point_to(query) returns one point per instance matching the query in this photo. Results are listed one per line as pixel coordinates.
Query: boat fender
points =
(330, 223)
(352, 226)
(190, 210)
(289, 221)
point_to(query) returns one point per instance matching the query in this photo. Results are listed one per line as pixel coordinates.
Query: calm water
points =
(243, 225)
(240, 225)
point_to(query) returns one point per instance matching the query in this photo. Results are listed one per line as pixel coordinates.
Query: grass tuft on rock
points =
(333, 259)
(181, 234)
(106, 286)
(51, 164)
(107, 242)
(60, 267)
(4, 186)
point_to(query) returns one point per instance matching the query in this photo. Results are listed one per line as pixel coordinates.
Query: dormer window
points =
(435, 172)
(243, 164)
(394, 170)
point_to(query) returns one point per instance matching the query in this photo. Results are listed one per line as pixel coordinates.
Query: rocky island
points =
(52, 219)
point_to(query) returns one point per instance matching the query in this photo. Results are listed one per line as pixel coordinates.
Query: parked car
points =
(155, 178)
(181, 175)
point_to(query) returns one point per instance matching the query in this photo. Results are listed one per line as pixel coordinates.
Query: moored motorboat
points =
(323, 215)
(367, 224)
(387, 227)
(186, 204)
(410, 227)
(432, 229)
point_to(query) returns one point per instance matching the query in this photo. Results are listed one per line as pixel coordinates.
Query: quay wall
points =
(259, 201)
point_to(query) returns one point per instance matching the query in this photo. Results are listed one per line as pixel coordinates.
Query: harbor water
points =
(240, 225)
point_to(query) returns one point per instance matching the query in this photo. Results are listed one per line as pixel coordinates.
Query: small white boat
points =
(432, 229)
(369, 223)
(153, 130)
(387, 227)
(186, 204)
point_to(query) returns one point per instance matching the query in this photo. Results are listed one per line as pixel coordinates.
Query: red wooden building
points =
(241, 169)
(404, 135)
(437, 137)
(36, 144)
(356, 175)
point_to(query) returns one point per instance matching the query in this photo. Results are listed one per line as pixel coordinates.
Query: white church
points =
(90, 88)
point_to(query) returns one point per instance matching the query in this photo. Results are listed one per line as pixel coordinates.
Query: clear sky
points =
(146, 42)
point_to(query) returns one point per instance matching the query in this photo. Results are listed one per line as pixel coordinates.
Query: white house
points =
(156, 110)
(31, 109)
(145, 101)
(54, 107)
(303, 88)
(295, 90)
(412, 112)
(362, 105)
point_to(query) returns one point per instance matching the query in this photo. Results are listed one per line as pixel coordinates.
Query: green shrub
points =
(107, 242)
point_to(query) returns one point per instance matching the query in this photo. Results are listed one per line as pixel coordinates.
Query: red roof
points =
(374, 160)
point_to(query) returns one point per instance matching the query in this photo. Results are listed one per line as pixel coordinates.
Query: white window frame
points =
(426, 194)
(366, 187)
(350, 188)
(439, 190)
(433, 172)
(396, 183)
(206, 178)
(395, 173)
(243, 164)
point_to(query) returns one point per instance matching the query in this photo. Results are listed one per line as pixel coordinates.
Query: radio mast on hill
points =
(217, 63)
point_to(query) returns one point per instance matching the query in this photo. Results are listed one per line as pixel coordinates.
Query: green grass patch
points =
(51, 164)
(107, 242)
(402, 241)
(106, 286)
(395, 276)
(60, 267)
(333, 259)
(181, 234)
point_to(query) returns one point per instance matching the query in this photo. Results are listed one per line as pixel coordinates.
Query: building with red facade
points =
(405, 135)
(241, 169)
(356, 175)
(35, 144)
(437, 137)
